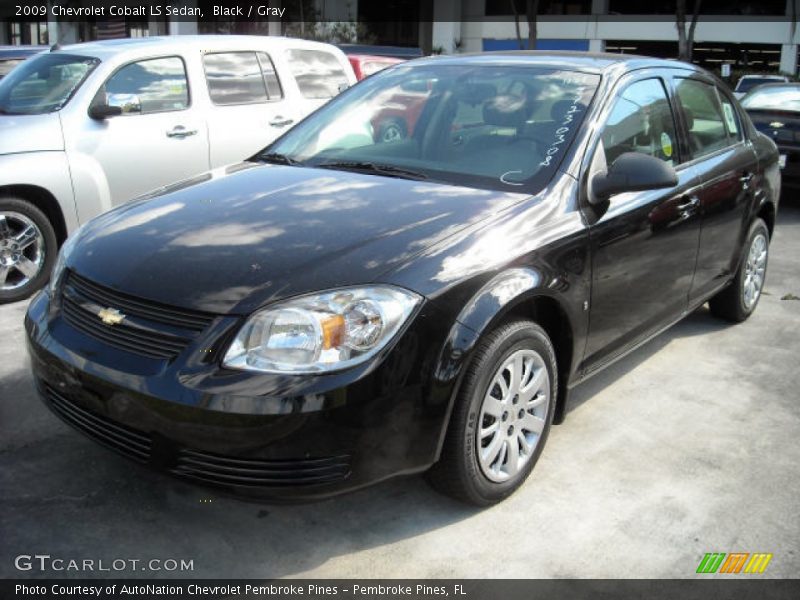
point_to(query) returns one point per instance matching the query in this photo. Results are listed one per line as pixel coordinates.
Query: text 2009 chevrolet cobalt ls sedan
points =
(342, 308)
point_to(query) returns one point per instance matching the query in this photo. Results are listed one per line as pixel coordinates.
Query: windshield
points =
(748, 84)
(493, 127)
(774, 98)
(6, 64)
(43, 84)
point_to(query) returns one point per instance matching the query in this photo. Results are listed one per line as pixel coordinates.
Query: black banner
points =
(736, 587)
(293, 11)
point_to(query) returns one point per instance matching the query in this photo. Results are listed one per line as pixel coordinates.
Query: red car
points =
(365, 65)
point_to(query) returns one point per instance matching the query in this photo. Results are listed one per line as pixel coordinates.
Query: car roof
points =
(20, 51)
(592, 62)
(132, 47)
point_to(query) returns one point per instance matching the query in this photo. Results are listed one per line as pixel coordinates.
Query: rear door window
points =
(703, 113)
(319, 74)
(234, 78)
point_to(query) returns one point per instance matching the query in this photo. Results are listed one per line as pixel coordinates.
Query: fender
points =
(503, 294)
(45, 170)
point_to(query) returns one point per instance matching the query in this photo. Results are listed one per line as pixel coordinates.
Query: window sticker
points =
(666, 144)
(730, 118)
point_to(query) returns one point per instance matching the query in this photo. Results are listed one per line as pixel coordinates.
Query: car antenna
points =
(55, 47)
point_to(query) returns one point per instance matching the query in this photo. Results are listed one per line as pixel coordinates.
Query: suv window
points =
(703, 113)
(641, 121)
(318, 74)
(237, 78)
(158, 84)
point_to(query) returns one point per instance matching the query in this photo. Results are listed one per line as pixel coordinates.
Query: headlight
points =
(323, 332)
(61, 261)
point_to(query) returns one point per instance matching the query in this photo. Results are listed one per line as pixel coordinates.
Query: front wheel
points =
(739, 300)
(27, 249)
(501, 417)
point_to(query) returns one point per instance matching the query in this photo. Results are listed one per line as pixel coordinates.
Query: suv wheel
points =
(738, 301)
(501, 417)
(27, 249)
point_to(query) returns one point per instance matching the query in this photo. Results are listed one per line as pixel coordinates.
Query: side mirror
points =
(115, 105)
(100, 112)
(632, 172)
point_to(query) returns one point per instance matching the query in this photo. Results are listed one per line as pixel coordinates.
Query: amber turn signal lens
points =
(332, 332)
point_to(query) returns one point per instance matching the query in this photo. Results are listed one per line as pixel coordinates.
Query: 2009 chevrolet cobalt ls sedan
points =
(344, 308)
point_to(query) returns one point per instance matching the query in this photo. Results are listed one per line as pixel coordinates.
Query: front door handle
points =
(181, 132)
(281, 122)
(692, 202)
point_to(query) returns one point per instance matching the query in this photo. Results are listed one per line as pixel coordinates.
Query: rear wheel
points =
(501, 417)
(739, 300)
(27, 249)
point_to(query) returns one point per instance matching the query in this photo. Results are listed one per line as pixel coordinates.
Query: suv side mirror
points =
(632, 172)
(100, 112)
(114, 105)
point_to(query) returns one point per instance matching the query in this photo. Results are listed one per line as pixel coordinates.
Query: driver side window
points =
(641, 121)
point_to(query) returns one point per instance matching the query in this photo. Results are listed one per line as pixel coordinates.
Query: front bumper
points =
(258, 435)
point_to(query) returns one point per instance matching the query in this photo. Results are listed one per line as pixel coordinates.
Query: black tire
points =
(730, 303)
(11, 208)
(458, 472)
(392, 130)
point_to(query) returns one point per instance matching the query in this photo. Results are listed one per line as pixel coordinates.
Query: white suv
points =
(89, 126)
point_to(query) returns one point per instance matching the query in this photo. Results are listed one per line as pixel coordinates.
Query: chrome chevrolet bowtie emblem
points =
(776, 124)
(110, 316)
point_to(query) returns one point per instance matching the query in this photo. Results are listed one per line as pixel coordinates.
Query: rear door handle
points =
(181, 132)
(692, 202)
(281, 122)
(746, 179)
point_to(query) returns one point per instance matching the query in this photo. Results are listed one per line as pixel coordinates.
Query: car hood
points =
(30, 133)
(235, 239)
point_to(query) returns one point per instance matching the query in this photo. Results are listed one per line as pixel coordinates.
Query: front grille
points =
(125, 440)
(196, 465)
(251, 472)
(150, 329)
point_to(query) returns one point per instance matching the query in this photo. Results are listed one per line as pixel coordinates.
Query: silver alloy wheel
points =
(513, 415)
(754, 269)
(22, 250)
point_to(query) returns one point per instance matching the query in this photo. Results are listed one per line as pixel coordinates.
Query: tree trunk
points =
(692, 27)
(531, 8)
(516, 22)
(686, 38)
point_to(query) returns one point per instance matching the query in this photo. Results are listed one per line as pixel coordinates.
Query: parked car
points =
(774, 109)
(365, 65)
(340, 310)
(90, 126)
(748, 82)
(11, 56)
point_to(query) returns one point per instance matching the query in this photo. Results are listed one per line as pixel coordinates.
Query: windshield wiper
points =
(371, 167)
(278, 159)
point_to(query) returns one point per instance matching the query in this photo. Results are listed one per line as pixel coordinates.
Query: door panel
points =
(644, 245)
(159, 139)
(248, 108)
(725, 200)
(644, 250)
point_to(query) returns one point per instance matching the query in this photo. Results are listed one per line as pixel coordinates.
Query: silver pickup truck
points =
(89, 126)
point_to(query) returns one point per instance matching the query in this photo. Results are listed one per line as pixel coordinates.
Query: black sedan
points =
(11, 56)
(341, 309)
(775, 111)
